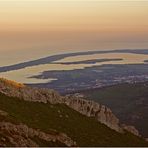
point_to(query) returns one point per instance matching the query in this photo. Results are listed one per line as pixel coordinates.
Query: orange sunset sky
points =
(49, 26)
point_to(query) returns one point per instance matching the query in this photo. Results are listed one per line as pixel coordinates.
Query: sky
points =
(31, 29)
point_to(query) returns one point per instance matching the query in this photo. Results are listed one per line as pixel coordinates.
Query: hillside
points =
(129, 102)
(48, 123)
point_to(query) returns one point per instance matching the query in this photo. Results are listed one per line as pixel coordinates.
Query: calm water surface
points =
(22, 75)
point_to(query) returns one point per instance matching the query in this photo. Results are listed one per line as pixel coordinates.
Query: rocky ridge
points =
(22, 135)
(89, 108)
(92, 109)
(14, 89)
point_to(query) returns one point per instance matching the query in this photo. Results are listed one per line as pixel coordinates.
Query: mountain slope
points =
(47, 117)
(129, 102)
(88, 108)
(85, 131)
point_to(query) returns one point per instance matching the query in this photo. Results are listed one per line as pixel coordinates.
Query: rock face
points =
(22, 135)
(93, 109)
(77, 102)
(130, 129)
(13, 89)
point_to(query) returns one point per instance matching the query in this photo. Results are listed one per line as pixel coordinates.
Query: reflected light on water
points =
(23, 75)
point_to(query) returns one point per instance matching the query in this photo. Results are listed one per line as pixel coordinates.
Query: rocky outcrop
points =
(77, 102)
(102, 113)
(131, 129)
(23, 136)
(13, 89)
(93, 109)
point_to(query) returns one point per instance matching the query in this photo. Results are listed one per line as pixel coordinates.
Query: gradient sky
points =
(34, 28)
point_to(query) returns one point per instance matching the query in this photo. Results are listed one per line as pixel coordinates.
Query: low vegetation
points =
(83, 130)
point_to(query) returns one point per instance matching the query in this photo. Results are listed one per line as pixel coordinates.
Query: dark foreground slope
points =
(49, 118)
(129, 102)
(40, 117)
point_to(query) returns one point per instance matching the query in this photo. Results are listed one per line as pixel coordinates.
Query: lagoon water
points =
(23, 75)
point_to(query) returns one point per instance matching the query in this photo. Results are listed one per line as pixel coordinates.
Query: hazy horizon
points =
(36, 28)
